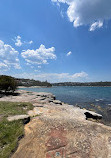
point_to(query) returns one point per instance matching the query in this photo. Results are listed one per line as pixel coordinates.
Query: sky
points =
(56, 40)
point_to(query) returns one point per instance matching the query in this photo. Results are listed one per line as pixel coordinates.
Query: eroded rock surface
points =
(61, 130)
(64, 132)
(63, 137)
(24, 118)
(26, 96)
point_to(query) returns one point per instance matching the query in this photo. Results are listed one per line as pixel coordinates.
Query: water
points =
(79, 95)
(97, 99)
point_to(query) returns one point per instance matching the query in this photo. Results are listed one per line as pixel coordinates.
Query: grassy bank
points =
(10, 132)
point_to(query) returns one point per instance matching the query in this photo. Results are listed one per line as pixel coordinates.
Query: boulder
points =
(93, 115)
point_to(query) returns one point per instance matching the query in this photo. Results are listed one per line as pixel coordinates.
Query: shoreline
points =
(40, 99)
(33, 87)
(59, 128)
(95, 105)
(44, 99)
(57, 86)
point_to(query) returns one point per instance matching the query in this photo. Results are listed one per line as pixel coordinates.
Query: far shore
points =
(33, 87)
(57, 86)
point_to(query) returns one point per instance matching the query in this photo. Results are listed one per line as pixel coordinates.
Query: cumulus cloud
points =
(39, 56)
(19, 43)
(56, 77)
(88, 12)
(8, 56)
(69, 53)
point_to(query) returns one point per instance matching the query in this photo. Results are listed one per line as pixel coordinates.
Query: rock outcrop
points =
(24, 118)
(58, 130)
(64, 133)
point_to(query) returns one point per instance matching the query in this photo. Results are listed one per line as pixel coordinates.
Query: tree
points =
(7, 83)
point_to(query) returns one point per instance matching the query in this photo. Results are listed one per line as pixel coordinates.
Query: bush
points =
(7, 83)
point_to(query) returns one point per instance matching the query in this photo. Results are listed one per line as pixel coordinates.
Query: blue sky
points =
(56, 40)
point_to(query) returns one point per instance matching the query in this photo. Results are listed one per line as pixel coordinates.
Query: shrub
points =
(7, 83)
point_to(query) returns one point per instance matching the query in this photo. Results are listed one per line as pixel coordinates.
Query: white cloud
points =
(55, 77)
(88, 12)
(96, 25)
(39, 56)
(69, 53)
(30, 42)
(8, 56)
(19, 43)
(3, 65)
(81, 74)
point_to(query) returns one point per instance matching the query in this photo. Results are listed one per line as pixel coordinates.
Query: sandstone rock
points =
(57, 102)
(38, 105)
(64, 132)
(31, 113)
(47, 139)
(25, 118)
(41, 98)
(32, 97)
(60, 131)
(44, 94)
(34, 112)
(90, 114)
(93, 115)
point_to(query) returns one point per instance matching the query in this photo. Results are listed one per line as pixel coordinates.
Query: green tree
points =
(7, 83)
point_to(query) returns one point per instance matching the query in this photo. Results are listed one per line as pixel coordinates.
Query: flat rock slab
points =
(87, 113)
(64, 138)
(57, 102)
(32, 97)
(61, 131)
(34, 112)
(64, 132)
(17, 117)
(44, 94)
(38, 105)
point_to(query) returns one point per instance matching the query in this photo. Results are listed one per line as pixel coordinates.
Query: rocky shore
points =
(59, 130)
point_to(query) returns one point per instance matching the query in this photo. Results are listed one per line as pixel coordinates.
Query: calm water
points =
(79, 95)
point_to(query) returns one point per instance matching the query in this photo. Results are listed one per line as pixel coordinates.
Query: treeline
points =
(7, 84)
(10, 84)
(98, 84)
(31, 82)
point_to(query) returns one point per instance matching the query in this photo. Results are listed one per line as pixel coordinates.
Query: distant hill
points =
(29, 83)
(32, 82)
(82, 84)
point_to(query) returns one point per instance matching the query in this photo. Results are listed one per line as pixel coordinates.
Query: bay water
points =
(91, 98)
